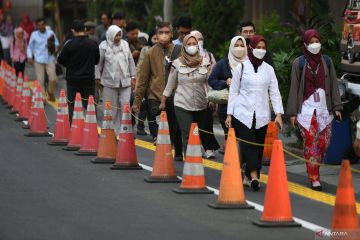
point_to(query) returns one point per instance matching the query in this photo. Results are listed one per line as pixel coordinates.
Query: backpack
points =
(302, 62)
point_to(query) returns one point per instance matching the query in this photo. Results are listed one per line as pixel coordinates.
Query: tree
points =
(217, 20)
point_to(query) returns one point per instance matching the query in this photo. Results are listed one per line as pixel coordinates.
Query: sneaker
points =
(255, 185)
(316, 186)
(141, 132)
(209, 154)
(246, 182)
(51, 97)
(222, 150)
(154, 141)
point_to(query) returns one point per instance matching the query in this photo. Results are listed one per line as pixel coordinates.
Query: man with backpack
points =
(153, 75)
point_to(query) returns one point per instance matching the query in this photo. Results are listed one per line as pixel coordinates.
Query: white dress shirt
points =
(252, 93)
(323, 117)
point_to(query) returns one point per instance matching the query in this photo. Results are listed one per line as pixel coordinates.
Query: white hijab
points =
(233, 60)
(111, 33)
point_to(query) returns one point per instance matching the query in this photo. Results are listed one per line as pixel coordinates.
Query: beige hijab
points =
(187, 59)
(233, 60)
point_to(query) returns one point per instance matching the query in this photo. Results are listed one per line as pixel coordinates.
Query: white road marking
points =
(305, 224)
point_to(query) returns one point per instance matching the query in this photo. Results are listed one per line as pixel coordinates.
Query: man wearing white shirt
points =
(41, 52)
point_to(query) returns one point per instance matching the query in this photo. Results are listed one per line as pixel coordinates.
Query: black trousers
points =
(185, 118)
(19, 67)
(175, 132)
(250, 155)
(84, 89)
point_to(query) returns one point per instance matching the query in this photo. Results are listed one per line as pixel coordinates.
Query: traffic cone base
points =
(34, 134)
(71, 148)
(230, 206)
(126, 167)
(103, 160)
(192, 191)
(151, 179)
(274, 224)
(85, 153)
(57, 143)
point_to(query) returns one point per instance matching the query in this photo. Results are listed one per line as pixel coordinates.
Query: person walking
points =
(7, 33)
(222, 74)
(18, 50)
(145, 104)
(253, 84)
(152, 80)
(79, 55)
(313, 100)
(28, 26)
(42, 54)
(100, 30)
(212, 107)
(183, 28)
(188, 78)
(117, 72)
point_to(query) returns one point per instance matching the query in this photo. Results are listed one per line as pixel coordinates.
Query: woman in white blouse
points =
(188, 77)
(117, 72)
(254, 83)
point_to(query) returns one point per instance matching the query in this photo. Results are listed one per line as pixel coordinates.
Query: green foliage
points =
(217, 20)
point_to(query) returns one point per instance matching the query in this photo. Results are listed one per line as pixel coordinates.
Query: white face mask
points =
(314, 48)
(259, 53)
(239, 52)
(192, 50)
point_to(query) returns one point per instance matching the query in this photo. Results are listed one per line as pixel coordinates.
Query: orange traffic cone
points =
(5, 97)
(193, 172)
(12, 90)
(271, 135)
(126, 153)
(107, 146)
(90, 137)
(33, 93)
(62, 124)
(163, 166)
(18, 93)
(231, 192)
(77, 126)
(345, 218)
(38, 126)
(277, 209)
(25, 106)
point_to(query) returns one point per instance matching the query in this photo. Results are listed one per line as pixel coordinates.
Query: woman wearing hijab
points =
(223, 71)
(18, 50)
(253, 84)
(116, 69)
(188, 77)
(313, 98)
(28, 26)
(211, 106)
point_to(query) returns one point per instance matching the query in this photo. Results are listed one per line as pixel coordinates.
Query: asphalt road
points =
(47, 193)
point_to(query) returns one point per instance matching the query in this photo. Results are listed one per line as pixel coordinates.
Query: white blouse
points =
(251, 94)
(322, 114)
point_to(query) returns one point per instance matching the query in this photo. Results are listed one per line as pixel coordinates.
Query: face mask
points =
(239, 52)
(192, 50)
(314, 48)
(163, 38)
(259, 53)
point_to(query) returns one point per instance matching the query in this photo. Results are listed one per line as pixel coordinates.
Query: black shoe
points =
(255, 185)
(141, 132)
(178, 158)
(316, 188)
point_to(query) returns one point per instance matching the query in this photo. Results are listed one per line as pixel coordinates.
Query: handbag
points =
(221, 96)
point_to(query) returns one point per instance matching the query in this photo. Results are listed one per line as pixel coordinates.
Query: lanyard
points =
(314, 74)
